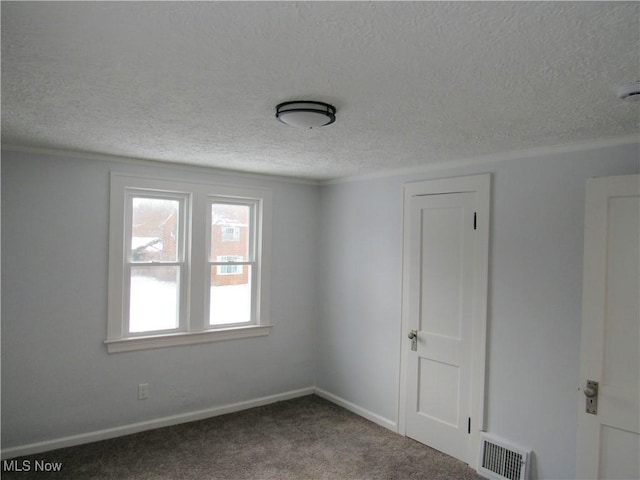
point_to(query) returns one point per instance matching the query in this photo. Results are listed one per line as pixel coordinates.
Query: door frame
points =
(481, 186)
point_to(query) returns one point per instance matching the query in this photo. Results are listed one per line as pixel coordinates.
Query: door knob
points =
(413, 336)
(591, 392)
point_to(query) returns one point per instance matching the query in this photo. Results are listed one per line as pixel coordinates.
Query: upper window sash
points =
(181, 225)
(254, 210)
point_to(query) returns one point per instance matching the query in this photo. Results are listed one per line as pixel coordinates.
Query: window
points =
(154, 261)
(188, 263)
(230, 234)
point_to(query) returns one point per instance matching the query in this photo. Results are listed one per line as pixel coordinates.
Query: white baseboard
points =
(363, 412)
(107, 433)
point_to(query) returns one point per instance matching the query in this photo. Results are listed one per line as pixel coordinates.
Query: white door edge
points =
(481, 185)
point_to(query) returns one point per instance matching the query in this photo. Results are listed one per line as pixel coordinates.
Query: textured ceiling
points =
(413, 83)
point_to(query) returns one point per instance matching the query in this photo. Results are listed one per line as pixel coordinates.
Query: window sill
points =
(185, 338)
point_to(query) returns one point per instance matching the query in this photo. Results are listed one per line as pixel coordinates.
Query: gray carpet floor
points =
(304, 438)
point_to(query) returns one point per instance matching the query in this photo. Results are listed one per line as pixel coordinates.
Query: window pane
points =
(230, 300)
(154, 301)
(154, 230)
(229, 230)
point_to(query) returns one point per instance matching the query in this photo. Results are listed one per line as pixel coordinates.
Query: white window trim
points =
(194, 327)
(186, 338)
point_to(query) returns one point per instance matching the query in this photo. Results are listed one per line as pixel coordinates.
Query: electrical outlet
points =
(143, 391)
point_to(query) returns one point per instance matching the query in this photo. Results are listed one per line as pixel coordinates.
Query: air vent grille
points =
(498, 460)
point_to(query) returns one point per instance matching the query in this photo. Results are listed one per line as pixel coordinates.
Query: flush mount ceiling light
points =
(306, 114)
(629, 91)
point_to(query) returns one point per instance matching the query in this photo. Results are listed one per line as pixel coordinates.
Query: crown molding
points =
(490, 158)
(85, 155)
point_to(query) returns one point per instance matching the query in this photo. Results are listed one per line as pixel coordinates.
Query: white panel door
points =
(608, 444)
(441, 292)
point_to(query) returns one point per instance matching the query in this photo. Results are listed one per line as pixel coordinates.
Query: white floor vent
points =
(501, 461)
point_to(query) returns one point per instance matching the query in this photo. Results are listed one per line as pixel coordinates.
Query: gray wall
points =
(336, 298)
(57, 379)
(535, 295)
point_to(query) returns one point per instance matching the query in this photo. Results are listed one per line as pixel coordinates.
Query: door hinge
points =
(469, 425)
(475, 223)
